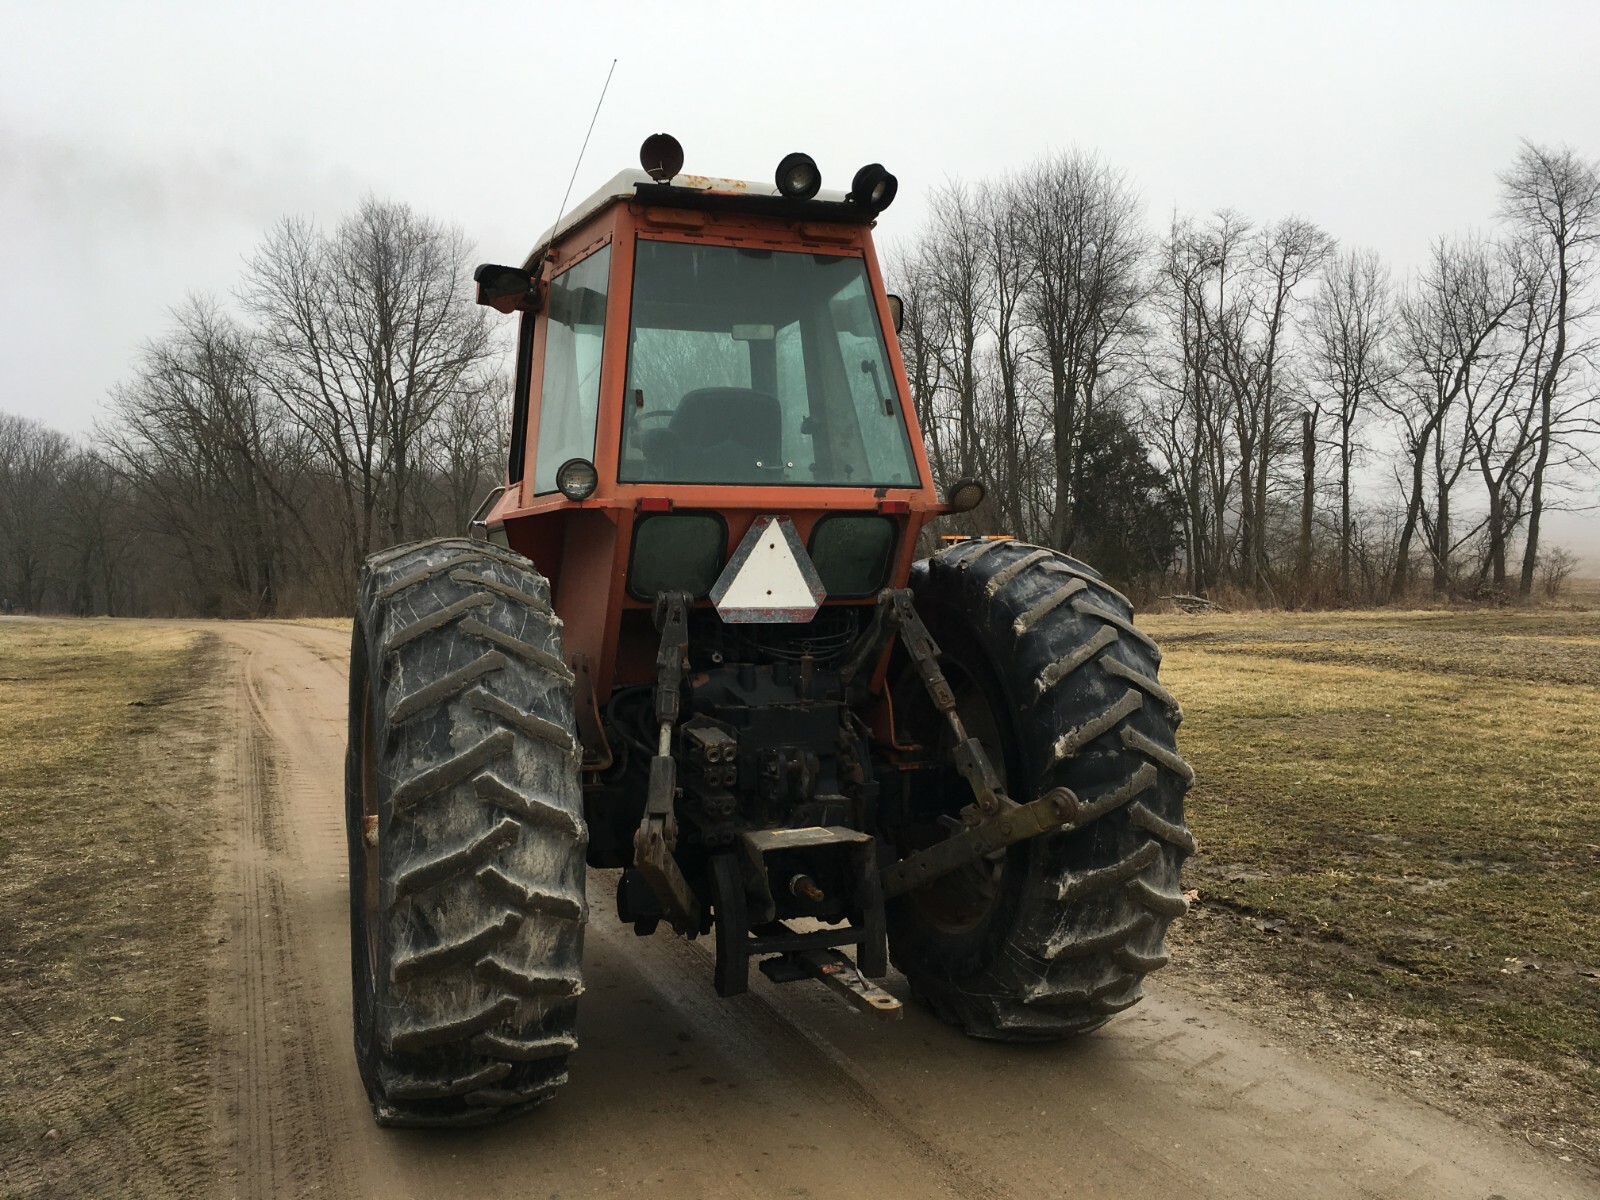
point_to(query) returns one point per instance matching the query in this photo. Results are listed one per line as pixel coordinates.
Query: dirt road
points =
(784, 1092)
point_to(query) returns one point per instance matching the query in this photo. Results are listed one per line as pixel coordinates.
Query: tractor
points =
(690, 642)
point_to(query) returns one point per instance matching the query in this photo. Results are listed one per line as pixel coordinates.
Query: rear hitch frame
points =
(738, 941)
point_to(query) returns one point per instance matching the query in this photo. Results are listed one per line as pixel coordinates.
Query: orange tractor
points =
(690, 642)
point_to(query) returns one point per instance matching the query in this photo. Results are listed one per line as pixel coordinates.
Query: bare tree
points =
(1279, 260)
(1010, 272)
(1556, 565)
(33, 461)
(1502, 411)
(99, 530)
(366, 335)
(1553, 198)
(1086, 251)
(913, 274)
(1445, 326)
(1187, 414)
(466, 454)
(1349, 331)
(961, 290)
(211, 460)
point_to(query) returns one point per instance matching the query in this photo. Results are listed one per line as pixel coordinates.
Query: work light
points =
(661, 156)
(873, 188)
(577, 478)
(964, 496)
(798, 177)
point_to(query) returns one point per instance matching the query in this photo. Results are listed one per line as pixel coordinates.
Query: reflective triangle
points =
(770, 577)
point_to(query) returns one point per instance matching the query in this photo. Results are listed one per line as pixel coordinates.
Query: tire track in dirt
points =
(146, 1164)
(272, 1079)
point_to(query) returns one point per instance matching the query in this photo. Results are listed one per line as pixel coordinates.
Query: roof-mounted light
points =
(873, 188)
(798, 177)
(661, 156)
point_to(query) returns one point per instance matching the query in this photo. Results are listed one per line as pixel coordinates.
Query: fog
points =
(144, 148)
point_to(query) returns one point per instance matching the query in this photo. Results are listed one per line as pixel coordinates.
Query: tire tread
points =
(1093, 903)
(481, 880)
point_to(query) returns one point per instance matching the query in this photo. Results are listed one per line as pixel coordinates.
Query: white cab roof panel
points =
(624, 184)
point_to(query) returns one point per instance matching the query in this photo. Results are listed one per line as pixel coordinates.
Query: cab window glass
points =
(758, 366)
(677, 552)
(569, 397)
(852, 554)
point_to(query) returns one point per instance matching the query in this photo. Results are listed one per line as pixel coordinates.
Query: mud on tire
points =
(466, 917)
(1075, 920)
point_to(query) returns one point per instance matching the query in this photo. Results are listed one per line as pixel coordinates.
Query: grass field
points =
(105, 894)
(1400, 821)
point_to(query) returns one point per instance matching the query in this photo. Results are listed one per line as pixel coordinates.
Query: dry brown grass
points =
(1583, 591)
(1399, 818)
(105, 891)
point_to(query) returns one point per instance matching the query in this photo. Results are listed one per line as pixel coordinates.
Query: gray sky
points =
(145, 146)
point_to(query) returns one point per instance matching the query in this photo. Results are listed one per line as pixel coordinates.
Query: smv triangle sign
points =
(770, 579)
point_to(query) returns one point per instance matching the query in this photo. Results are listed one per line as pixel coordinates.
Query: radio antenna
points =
(567, 195)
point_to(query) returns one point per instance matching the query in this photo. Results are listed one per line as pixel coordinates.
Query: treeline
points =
(1225, 407)
(1242, 407)
(349, 400)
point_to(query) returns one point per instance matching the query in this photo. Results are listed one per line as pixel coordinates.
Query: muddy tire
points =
(1056, 934)
(466, 916)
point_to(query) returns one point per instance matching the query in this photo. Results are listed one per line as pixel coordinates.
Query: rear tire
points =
(466, 917)
(1057, 934)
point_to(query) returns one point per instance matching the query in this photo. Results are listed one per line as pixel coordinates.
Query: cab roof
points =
(700, 191)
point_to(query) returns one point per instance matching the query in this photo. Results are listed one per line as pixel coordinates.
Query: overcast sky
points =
(144, 146)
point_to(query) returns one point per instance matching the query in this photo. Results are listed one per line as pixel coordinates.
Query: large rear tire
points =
(466, 835)
(1055, 935)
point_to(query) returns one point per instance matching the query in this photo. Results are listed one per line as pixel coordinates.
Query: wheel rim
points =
(963, 899)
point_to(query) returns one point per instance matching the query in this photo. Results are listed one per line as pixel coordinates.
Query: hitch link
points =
(995, 821)
(657, 834)
(971, 760)
(1050, 812)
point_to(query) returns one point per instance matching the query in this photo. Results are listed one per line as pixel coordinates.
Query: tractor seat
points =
(720, 434)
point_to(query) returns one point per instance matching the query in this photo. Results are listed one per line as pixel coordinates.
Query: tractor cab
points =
(696, 354)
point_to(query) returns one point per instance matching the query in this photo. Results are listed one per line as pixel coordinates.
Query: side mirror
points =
(897, 311)
(506, 289)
